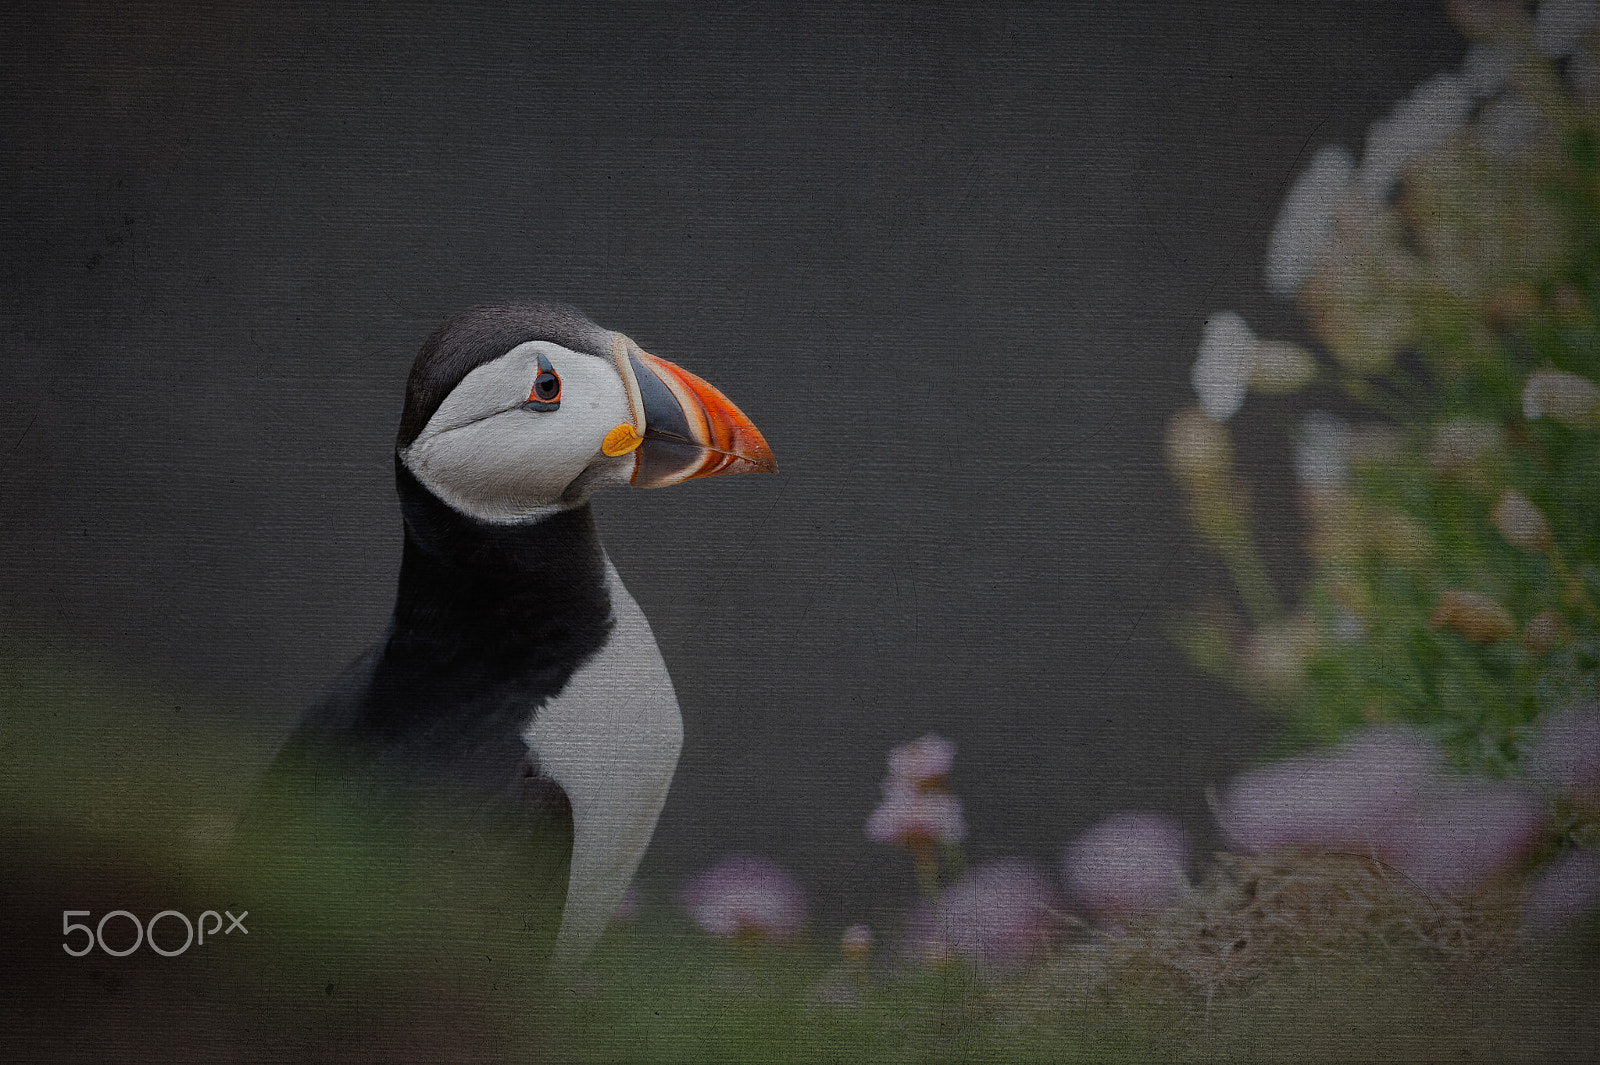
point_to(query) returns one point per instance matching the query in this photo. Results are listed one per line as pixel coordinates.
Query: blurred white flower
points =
(1362, 318)
(1347, 626)
(1566, 889)
(1421, 122)
(1559, 24)
(1571, 400)
(1222, 371)
(1486, 69)
(745, 896)
(1307, 219)
(1322, 454)
(1129, 863)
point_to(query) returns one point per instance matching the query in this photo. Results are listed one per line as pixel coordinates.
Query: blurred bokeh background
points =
(953, 259)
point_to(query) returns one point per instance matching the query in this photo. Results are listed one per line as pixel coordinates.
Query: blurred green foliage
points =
(111, 800)
(1452, 508)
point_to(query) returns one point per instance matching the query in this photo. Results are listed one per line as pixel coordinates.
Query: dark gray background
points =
(952, 259)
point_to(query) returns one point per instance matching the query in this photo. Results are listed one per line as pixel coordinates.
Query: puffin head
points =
(514, 412)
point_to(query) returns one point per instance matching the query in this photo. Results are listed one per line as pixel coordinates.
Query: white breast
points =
(611, 740)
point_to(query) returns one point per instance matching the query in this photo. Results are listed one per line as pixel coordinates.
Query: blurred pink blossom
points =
(909, 816)
(1564, 754)
(922, 761)
(1465, 831)
(1382, 793)
(918, 809)
(745, 895)
(1352, 797)
(1129, 863)
(1566, 889)
(998, 917)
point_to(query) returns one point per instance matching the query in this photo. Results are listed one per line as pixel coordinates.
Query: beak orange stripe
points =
(721, 429)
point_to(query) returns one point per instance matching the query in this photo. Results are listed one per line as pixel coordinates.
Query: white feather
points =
(611, 740)
(487, 457)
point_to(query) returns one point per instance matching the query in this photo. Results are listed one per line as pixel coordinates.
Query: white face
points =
(487, 456)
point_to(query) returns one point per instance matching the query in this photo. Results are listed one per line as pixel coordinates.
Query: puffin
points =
(486, 777)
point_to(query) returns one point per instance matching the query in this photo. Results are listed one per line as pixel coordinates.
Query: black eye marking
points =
(545, 395)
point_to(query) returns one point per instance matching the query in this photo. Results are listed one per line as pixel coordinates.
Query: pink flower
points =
(1129, 863)
(1381, 794)
(918, 810)
(1568, 888)
(924, 761)
(909, 816)
(998, 917)
(1465, 831)
(745, 896)
(1350, 798)
(1564, 755)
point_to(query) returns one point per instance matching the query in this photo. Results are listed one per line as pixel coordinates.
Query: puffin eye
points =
(546, 387)
(545, 395)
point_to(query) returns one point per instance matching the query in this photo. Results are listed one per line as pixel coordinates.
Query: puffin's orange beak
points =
(691, 429)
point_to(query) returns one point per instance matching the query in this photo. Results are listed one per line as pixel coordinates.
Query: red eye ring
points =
(546, 388)
(545, 395)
